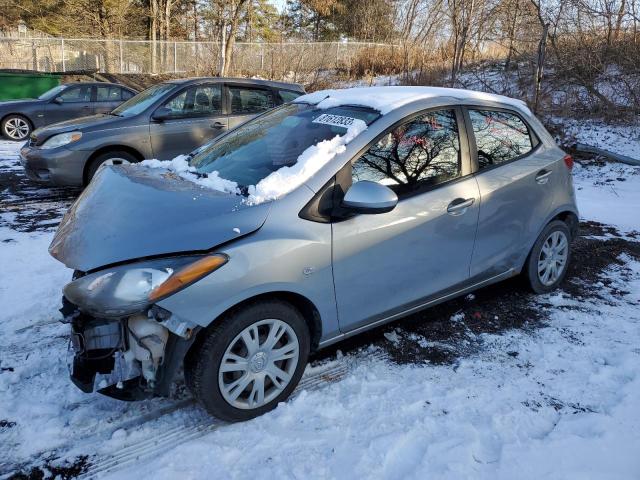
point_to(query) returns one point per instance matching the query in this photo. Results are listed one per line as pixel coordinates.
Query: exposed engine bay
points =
(128, 358)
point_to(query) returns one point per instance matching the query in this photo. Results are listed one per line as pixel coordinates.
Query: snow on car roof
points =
(386, 99)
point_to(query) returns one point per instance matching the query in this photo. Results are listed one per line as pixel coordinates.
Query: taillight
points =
(568, 161)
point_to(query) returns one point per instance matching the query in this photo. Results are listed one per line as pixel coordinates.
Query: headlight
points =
(128, 289)
(61, 139)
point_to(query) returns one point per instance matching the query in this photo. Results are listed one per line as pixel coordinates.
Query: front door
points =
(73, 102)
(196, 118)
(392, 262)
(515, 177)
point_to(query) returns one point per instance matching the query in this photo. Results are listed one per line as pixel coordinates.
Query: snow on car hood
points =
(128, 213)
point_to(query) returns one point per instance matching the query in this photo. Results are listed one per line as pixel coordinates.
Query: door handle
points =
(217, 125)
(543, 176)
(459, 206)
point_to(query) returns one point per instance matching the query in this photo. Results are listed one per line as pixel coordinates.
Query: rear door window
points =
(106, 93)
(127, 94)
(247, 100)
(500, 136)
(415, 155)
(288, 95)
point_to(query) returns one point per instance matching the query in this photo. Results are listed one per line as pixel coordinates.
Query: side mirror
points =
(161, 114)
(58, 100)
(369, 197)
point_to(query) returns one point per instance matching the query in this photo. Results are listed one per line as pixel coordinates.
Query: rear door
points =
(393, 262)
(73, 102)
(247, 101)
(197, 117)
(515, 177)
(108, 97)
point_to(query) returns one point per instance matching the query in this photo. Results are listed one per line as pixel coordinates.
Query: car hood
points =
(94, 122)
(14, 103)
(127, 213)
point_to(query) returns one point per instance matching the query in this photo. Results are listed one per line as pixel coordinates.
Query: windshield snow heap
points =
(277, 183)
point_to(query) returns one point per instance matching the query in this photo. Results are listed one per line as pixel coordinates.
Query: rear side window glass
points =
(126, 94)
(500, 136)
(250, 100)
(288, 96)
(108, 94)
(421, 153)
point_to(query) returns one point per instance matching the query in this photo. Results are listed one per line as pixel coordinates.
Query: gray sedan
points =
(314, 222)
(71, 100)
(163, 121)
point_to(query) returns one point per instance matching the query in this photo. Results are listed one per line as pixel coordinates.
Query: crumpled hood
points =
(128, 212)
(92, 122)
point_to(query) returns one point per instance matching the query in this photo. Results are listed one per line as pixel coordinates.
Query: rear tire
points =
(112, 158)
(236, 378)
(549, 259)
(16, 127)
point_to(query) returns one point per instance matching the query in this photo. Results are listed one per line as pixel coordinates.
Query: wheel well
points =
(571, 219)
(109, 148)
(303, 304)
(26, 117)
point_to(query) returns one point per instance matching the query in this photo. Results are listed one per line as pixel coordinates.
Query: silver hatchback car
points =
(313, 222)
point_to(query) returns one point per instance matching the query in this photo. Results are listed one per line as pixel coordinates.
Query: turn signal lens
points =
(568, 161)
(187, 275)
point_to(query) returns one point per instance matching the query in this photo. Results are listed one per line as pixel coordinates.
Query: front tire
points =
(548, 261)
(16, 127)
(251, 360)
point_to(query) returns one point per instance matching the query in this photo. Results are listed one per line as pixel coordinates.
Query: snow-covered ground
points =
(529, 387)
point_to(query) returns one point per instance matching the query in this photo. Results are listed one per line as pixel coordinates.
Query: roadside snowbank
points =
(621, 139)
(609, 193)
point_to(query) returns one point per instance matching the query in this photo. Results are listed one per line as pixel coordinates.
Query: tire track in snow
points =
(164, 439)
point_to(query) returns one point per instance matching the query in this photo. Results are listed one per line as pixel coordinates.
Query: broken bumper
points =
(129, 358)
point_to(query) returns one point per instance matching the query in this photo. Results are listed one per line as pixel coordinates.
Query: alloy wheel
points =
(258, 364)
(16, 128)
(553, 258)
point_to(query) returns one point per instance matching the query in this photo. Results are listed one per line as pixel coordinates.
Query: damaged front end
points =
(118, 332)
(129, 358)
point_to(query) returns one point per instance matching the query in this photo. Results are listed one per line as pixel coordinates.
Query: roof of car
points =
(100, 83)
(386, 99)
(251, 81)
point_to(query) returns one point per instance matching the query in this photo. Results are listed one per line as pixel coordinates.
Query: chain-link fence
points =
(271, 60)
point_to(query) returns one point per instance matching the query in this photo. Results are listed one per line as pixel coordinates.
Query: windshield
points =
(140, 102)
(52, 93)
(274, 140)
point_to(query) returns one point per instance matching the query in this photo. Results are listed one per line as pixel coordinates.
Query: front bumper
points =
(105, 358)
(57, 166)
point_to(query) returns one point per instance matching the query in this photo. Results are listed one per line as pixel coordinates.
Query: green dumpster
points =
(25, 85)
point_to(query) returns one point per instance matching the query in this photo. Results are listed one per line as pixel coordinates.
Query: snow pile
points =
(180, 165)
(386, 99)
(310, 161)
(276, 184)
